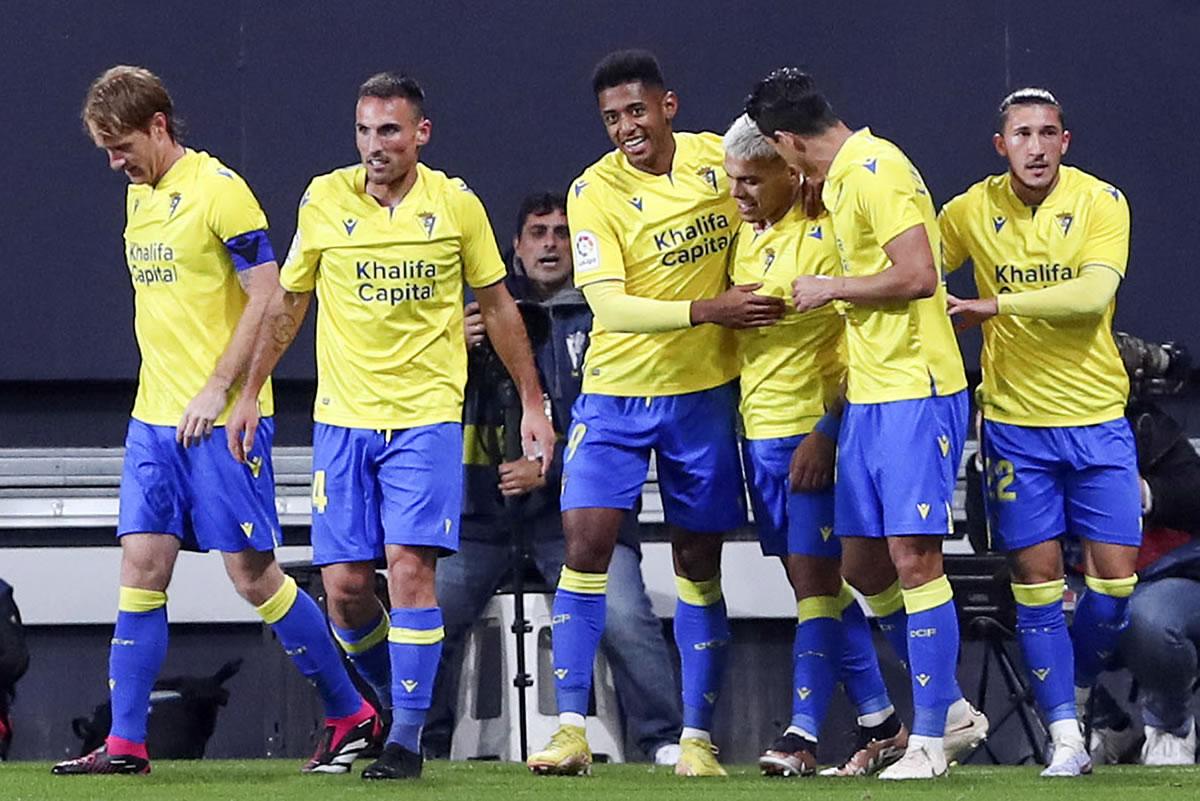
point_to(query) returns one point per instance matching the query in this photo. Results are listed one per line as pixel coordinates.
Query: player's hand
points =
(810, 198)
(473, 325)
(521, 476)
(241, 427)
(812, 291)
(970, 312)
(739, 307)
(537, 436)
(811, 468)
(201, 415)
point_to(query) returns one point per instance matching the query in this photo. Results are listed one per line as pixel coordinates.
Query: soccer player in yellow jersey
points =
(905, 420)
(791, 372)
(202, 271)
(387, 246)
(651, 224)
(1049, 244)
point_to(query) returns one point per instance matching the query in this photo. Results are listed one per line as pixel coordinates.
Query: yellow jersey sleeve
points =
(233, 210)
(482, 265)
(299, 271)
(886, 197)
(1107, 242)
(596, 248)
(954, 245)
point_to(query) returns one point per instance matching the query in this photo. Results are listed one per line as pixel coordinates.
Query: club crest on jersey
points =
(768, 259)
(998, 222)
(349, 224)
(175, 198)
(428, 220)
(579, 187)
(1064, 221)
(636, 202)
(710, 177)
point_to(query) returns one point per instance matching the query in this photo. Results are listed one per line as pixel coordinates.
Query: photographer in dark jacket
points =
(1161, 641)
(633, 641)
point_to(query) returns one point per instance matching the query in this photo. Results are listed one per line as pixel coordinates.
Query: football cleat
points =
(396, 762)
(790, 755)
(872, 754)
(964, 735)
(918, 762)
(698, 758)
(100, 761)
(342, 743)
(567, 754)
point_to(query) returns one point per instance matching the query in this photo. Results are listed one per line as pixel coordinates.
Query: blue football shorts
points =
(374, 488)
(897, 464)
(694, 439)
(1042, 482)
(787, 522)
(199, 494)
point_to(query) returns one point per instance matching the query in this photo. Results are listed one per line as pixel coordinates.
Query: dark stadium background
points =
(269, 88)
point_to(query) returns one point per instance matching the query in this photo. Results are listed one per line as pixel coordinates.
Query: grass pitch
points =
(268, 780)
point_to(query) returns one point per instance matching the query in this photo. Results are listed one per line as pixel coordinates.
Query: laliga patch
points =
(587, 252)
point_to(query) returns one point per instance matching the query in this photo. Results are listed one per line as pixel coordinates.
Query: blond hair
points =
(126, 99)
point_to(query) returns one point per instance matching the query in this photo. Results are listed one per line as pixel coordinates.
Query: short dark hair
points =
(1028, 96)
(537, 204)
(388, 85)
(788, 100)
(627, 66)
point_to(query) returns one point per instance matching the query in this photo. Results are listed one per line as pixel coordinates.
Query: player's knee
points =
(412, 577)
(147, 568)
(916, 561)
(697, 557)
(350, 595)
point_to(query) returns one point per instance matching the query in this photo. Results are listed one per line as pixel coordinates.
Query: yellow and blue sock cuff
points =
(887, 602)
(132, 599)
(1041, 594)
(929, 595)
(584, 583)
(1117, 588)
(699, 593)
(279, 604)
(373, 638)
(816, 606)
(846, 596)
(399, 634)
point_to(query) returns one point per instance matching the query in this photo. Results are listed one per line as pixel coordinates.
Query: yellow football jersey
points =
(903, 350)
(1043, 372)
(187, 299)
(666, 237)
(389, 283)
(792, 370)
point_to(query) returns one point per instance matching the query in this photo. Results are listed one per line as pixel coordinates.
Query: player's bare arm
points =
(282, 320)
(739, 307)
(506, 331)
(258, 282)
(913, 275)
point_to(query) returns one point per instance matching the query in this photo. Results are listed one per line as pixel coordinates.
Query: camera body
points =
(1154, 368)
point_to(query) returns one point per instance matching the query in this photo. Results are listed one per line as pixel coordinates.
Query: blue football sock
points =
(139, 646)
(578, 621)
(860, 664)
(888, 608)
(367, 648)
(1046, 646)
(816, 653)
(702, 635)
(298, 623)
(1100, 616)
(933, 654)
(415, 646)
